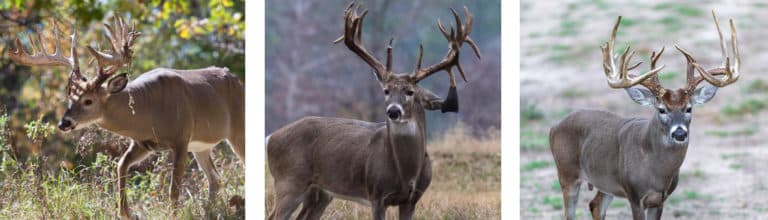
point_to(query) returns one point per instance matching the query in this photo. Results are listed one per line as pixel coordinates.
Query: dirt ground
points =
(723, 176)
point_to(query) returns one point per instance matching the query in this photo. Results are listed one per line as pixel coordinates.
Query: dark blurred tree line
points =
(175, 34)
(307, 74)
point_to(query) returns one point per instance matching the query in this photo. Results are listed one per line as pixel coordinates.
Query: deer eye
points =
(688, 110)
(662, 111)
(409, 92)
(386, 91)
(87, 102)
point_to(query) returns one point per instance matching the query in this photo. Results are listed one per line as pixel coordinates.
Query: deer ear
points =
(703, 94)
(117, 83)
(641, 96)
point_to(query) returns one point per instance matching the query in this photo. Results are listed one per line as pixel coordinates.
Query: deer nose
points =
(394, 113)
(65, 124)
(680, 134)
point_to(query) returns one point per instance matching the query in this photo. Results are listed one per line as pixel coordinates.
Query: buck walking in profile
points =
(634, 158)
(162, 110)
(384, 164)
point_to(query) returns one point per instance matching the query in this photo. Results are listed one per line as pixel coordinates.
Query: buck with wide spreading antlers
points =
(638, 159)
(162, 110)
(385, 164)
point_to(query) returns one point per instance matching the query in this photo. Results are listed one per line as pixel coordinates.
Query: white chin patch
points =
(402, 127)
(680, 142)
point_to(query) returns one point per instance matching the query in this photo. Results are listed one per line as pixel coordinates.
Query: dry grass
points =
(90, 192)
(466, 181)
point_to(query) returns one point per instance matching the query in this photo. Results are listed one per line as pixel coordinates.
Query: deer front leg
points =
(406, 211)
(638, 213)
(653, 202)
(378, 210)
(179, 163)
(599, 205)
(135, 153)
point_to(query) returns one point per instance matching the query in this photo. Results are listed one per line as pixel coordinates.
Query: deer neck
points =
(121, 112)
(407, 147)
(659, 147)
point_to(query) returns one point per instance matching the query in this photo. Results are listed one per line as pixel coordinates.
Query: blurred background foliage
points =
(308, 75)
(175, 34)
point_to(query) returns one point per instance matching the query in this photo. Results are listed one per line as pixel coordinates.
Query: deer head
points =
(86, 98)
(673, 106)
(403, 96)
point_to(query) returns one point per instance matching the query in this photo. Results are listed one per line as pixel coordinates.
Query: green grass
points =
(537, 164)
(530, 112)
(748, 106)
(671, 23)
(555, 186)
(749, 131)
(734, 156)
(667, 76)
(695, 174)
(757, 86)
(556, 202)
(533, 140)
(680, 9)
(574, 93)
(693, 195)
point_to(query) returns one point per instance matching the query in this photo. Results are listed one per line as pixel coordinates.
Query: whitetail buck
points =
(162, 110)
(384, 164)
(635, 158)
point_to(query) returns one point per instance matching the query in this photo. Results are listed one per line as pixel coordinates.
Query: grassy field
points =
(89, 191)
(466, 178)
(722, 176)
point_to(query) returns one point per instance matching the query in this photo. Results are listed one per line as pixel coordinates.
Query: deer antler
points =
(729, 71)
(619, 77)
(121, 38)
(40, 55)
(353, 31)
(455, 40)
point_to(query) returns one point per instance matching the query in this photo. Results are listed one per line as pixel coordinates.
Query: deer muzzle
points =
(679, 134)
(394, 112)
(66, 124)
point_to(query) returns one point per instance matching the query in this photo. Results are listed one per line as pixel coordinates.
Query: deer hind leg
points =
(314, 204)
(570, 197)
(288, 197)
(599, 205)
(237, 143)
(205, 163)
(135, 154)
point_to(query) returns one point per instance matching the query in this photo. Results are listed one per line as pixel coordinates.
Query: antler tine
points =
(730, 72)
(456, 37)
(389, 55)
(418, 61)
(352, 37)
(619, 77)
